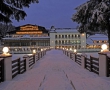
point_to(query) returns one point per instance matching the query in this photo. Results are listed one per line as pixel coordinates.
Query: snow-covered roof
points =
(17, 38)
(89, 41)
(65, 30)
(98, 37)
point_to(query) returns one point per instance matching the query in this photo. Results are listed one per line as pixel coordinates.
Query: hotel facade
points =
(29, 37)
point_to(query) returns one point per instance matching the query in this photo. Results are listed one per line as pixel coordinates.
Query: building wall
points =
(67, 39)
(83, 40)
(52, 39)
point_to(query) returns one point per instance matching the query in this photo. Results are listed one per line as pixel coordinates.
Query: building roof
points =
(64, 30)
(96, 37)
(41, 28)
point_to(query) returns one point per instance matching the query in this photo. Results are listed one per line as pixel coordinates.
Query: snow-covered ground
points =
(94, 54)
(56, 71)
(15, 56)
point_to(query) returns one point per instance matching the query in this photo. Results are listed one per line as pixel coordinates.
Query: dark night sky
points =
(49, 13)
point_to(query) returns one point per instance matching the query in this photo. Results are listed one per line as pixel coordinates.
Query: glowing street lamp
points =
(41, 49)
(5, 50)
(34, 51)
(75, 50)
(70, 49)
(104, 48)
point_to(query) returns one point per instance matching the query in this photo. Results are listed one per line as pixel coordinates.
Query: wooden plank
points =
(22, 61)
(96, 63)
(94, 58)
(31, 64)
(22, 68)
(16, 60)
(15, 65)
(14, 70)
(15, 74)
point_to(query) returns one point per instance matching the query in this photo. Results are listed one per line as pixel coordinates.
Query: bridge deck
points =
(55, 71)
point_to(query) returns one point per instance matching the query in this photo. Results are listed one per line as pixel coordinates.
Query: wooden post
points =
(74, 57)
(19, 66)
(1, 69)
(7, 66)
(83, 61)
(34, 58)
(27, 61)
(102, 64)
(90, 63)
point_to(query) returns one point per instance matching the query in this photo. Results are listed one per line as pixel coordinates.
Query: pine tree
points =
(94, 16)
(13, 9)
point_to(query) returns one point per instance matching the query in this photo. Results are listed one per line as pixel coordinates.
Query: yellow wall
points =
(28, 28)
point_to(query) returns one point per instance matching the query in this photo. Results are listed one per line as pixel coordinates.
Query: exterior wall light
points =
(83, 34)
(104, 48)
(70, 49)
(75, 50)
(34, 51)
(41, 49)
(5, 50)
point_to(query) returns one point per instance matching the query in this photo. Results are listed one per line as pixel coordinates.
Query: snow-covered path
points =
(55, 71)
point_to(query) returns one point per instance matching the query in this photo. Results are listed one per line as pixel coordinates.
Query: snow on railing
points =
(99, 65)
(17, 66)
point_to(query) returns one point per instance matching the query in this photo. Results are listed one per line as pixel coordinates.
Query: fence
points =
(100, 66)
(18, 67)
(31, 60)
(78, 59)
(11, 68)
(108, 66)
(1, 69)
(92, 64)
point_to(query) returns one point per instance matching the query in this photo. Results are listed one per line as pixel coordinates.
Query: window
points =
(59, 36)
(55, 36)
(62, 36)
(68, 36)
(78, 36)
(62, 41)
(72, 36)
(75, 36)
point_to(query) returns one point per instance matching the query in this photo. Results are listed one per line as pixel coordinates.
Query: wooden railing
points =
(108, 66)
(78, 59)
(10, 68)
(1, 70)
(18, 67)
(31, 60)
(71, 56)
(92, 64)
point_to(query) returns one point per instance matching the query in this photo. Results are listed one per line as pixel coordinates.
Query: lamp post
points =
(34, 51)
(104, 48)
(5, 51)
(75, 50)
(70, 49)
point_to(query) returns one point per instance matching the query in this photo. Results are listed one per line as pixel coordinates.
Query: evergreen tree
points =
(94, 16)
(13, 9)
(4, 28)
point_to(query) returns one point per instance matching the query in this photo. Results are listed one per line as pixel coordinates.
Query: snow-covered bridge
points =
(55, 71)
